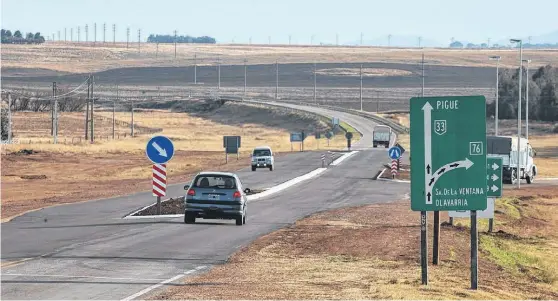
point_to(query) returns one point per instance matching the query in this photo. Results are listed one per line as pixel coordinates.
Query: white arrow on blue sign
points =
(159, 149)
(394, 153)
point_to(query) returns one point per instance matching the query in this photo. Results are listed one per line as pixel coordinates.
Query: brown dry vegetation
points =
(372, 252)
(71, 57)
(61, 173)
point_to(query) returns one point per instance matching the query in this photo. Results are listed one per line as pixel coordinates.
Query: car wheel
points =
(189, 218)
(271, 168)
(239, 221)
(253, 168)
(513, 176)
(244, 219)
(375, 145)
(530, 177)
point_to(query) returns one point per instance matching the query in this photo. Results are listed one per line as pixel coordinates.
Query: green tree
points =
(29, 36)
(8, 33)
(17, 34)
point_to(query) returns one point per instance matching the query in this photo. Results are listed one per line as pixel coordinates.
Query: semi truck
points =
(506, 148)
(381, 136)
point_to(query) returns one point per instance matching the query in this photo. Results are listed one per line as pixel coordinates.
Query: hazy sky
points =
(439, 20)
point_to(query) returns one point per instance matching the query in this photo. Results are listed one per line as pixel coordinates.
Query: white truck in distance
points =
(381, 136)
(262, 156)
(506, 148)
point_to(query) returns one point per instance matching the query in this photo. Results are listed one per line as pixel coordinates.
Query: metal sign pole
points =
(474, 250)
(158, 205)
(424, 247)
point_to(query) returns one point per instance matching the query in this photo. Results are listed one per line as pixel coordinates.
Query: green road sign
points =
(448, 141)
(494, 176)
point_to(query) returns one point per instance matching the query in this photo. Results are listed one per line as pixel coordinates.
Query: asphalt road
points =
(87, 251)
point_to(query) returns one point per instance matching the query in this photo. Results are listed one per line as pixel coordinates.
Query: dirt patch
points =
(404, 172)
(365, 72)
(367, 252)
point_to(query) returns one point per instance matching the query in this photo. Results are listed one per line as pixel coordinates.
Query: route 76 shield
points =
(440, 127)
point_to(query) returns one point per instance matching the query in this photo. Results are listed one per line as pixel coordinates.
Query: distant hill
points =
(549, 38)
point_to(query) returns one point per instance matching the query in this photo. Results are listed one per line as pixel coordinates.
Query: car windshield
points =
(262, 152)
(215, 182)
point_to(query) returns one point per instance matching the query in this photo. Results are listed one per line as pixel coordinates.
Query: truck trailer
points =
(506, 148)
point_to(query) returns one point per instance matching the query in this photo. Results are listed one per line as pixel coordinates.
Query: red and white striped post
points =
(393, 168)
(159, 183)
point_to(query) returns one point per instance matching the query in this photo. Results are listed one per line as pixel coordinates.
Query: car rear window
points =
(262, 152)
(215, 182)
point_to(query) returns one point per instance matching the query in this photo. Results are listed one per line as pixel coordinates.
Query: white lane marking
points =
(342, 158)
(286, 185)
(154, 216)
(546, 179)
(380, 175)
(156, 286)
(72, 276)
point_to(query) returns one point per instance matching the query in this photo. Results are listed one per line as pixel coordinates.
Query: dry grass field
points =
(372, 252)
(73, 57)
(62, 173)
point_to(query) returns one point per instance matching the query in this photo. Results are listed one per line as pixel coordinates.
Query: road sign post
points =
(449, 139)
(159, 150)
(393, 168)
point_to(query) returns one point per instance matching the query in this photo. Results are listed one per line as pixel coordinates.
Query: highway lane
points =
(19, 242)
(128, 257)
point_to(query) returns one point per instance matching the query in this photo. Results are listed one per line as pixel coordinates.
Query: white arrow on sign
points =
(495, 166)
(494, 177)
(494, 188)
(427, 108)
(441, 171)
(162, 151)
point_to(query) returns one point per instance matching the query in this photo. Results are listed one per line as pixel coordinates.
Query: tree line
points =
(17, 37)
(458, 44)
(42, 102)
(180, 39)
(543, 94)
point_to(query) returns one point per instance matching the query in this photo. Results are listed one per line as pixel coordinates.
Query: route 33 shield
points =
(440, 127)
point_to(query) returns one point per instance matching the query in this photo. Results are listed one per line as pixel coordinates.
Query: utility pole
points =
(79, 30)
(337, 39)
(195, 69)
(496, 105)
(86, 33)
(9, 118)
(277, 79)
(132, 124)
(88, 99)
(92, 108)
(527, 100)
(113, 113)
(127, 37)
(245, 77)
(389, 40)
(104, 32)
(422, 87)
(139, 40)
(269, 39)
(361, 38)
(94, 33)
(55, 112)
(113, 34)
(289, 39)
(71, 34)
(315, 83)
(419, 41)
(65, 34)
(175, 44)
(52, 108)
(218, 73)
(59, 36)
(361, 87)
(250, 41)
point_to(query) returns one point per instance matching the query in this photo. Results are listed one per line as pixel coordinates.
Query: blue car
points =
(216, 195)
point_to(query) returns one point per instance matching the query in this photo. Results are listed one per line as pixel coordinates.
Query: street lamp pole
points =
(497, 59)
(519, 111)
(527, 101)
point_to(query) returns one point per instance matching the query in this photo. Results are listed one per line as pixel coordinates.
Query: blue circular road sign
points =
(394, 153)
(159, 149)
